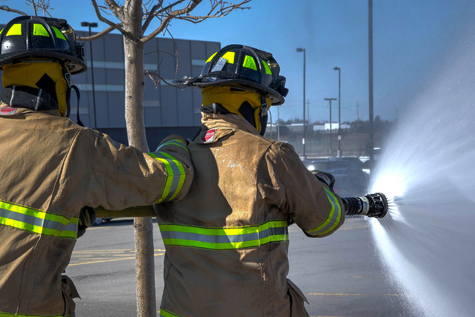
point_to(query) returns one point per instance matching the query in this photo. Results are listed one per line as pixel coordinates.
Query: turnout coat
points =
(49, 169)
(227, 240)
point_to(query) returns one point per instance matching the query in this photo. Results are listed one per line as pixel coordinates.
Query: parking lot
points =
(340, 275)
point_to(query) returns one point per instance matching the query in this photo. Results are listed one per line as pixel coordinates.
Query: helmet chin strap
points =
(264, 115)
(67, 77)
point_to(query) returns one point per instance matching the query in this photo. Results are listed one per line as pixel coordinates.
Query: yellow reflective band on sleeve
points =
(1, 31)
(4, 314)
(229, 56)
(39, 30)
(249, 62)
(266, 67)
(37, 221)
(210, 58)
(58, 33)
(166, 313)
(175, 178)
(225, 238)
(176, 142)
(14, 30)
(333, 218)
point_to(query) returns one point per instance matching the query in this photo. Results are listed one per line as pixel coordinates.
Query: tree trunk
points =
(134, 91)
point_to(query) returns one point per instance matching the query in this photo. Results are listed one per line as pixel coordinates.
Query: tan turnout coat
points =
(227, 240)
(50, 168)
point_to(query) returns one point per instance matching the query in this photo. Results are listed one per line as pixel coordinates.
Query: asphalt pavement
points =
(341, 275)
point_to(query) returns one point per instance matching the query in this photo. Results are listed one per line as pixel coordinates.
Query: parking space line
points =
(102, 256)
(351, 294)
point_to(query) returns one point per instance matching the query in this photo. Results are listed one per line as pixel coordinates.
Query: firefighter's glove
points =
(86, 219)
(325, 178)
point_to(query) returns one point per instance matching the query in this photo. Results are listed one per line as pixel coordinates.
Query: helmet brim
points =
(74, 64)
(273, 95)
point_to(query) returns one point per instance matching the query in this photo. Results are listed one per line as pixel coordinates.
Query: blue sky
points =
(412, 39)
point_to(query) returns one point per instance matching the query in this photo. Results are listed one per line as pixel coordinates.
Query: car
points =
(350, 179)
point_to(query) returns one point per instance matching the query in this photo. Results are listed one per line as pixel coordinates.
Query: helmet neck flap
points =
(250, 105)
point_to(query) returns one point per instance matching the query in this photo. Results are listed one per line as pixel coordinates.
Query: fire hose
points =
(371, 205)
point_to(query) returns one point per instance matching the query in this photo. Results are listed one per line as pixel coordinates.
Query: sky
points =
(411, 40)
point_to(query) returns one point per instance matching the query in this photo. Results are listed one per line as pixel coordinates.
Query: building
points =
(167, 110)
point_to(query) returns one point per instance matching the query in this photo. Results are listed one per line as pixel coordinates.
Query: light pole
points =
(303, 138)
(370, 78)
(339, 110)
(331, 142)
(92, 25)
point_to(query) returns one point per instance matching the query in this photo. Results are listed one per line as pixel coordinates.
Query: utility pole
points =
(339, 110)
(331, 141)
(92, 25)
(278, 123)
(357, 117)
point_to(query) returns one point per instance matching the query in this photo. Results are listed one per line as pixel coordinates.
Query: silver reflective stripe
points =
(224, 238)
(48, 224)
(175, 176)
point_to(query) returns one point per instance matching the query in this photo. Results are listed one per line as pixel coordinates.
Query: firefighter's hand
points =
(86, 219)
(325, 178)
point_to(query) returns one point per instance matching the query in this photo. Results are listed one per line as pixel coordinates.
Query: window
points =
(151, 103)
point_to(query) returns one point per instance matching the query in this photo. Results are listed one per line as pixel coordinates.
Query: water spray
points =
(371, 205)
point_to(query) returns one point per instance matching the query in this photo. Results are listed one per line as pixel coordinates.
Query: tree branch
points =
(6, 8)
(116, 26)
(150, 15)
(169, 17)
(97, 35)
(219, 8)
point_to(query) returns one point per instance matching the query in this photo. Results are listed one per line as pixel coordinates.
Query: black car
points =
(350, 180)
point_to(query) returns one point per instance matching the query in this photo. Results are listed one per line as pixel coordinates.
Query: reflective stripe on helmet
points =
(225, 238)
(229, 56)
(37, 221)
(266, 67)
(58, 33)
(39, 30)
(14, 30)
(333, 218)
(210, 58)
(249, 62)
(176, 175)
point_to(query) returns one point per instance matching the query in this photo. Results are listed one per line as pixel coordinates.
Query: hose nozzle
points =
(371, 205)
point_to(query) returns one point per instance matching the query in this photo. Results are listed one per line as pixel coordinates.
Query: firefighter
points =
(51, 168)
(227, 240)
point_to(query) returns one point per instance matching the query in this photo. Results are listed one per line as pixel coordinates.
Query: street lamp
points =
(339, 110)
(92, 25)
(331, 142)
(303, 138)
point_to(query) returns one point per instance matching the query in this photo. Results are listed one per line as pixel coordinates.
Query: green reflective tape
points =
(1, 31)
(175, 178)
(166, 313)
(249, 62)
(14, 30)
(224, 238)
(210, 58)
(266, 67)
(174, 142)
(333, 218)
(58, 33)
(37, 221)
(39, 30)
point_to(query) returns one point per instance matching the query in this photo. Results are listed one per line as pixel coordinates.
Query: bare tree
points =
(134, 18)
